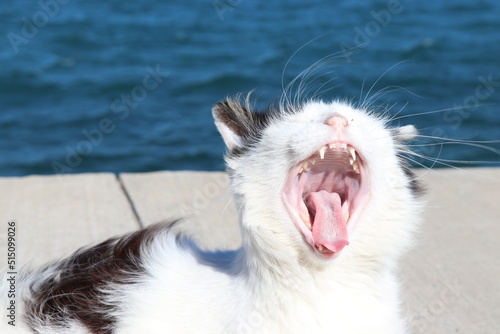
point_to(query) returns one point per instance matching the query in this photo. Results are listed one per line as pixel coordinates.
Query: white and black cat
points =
(326, 207)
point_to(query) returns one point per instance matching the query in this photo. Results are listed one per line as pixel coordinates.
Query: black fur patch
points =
(76, 290)
(416, 186)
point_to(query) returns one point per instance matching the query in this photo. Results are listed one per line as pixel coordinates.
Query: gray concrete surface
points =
(450, 279)
(452, 276)
(202, 200)
(57, 214)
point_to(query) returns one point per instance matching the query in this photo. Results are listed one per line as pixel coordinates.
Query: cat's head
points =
(318, 178)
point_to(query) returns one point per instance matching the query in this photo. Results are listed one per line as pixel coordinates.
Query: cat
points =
(326, 206)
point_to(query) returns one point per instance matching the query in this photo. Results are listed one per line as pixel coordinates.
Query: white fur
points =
(278, 285)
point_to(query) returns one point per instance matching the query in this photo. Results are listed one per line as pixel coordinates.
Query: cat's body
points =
(320, 241)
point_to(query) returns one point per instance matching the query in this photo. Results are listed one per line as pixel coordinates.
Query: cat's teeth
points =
(342, 146)
(322, 152)
(320, 248)
(346, 217)
(353, 154)
(306, 221)
(306, 166)
(351, 161)
(355, 166)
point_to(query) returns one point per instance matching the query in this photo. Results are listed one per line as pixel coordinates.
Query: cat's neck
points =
(275, 262)
(292, 288)
(274, 259)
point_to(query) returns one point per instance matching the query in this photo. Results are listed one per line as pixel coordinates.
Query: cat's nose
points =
(337, 121)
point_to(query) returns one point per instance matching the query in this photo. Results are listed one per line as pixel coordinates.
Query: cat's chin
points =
(325, 196)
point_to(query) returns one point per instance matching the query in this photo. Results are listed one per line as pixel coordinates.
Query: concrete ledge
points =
(450, 279)
(201, 199)
(55, 215)
(452, 275)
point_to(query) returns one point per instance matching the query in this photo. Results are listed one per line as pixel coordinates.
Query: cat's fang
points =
(355, 166)
(306, 220)
(353, 153)
(306, 166)
(322, 152)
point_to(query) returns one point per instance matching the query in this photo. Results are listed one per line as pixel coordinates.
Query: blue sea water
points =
(127, 86)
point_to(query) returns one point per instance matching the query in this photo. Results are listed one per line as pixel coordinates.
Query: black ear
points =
(238, 124)
(231, 119)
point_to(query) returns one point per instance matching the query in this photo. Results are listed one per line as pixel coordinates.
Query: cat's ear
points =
(233, 121)
(405, 133)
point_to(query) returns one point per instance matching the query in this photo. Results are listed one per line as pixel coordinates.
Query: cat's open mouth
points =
(325, 195)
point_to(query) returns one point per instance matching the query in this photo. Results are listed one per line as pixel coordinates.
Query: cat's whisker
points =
(380, 94)
(460, 140)
(285, 89)
(377, 81)
(326, 74)
(399, 111)
(434, 160)
(361, 91)
(443, 164)
(456, 143)
(300, 78)
(303, 78)
(304, 81)
(472, 143)
(317, 94)
(465, 162)
(438, 111)
(224, 210)
(428, 169)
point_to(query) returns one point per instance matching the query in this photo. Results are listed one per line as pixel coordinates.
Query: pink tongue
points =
(329, 228)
